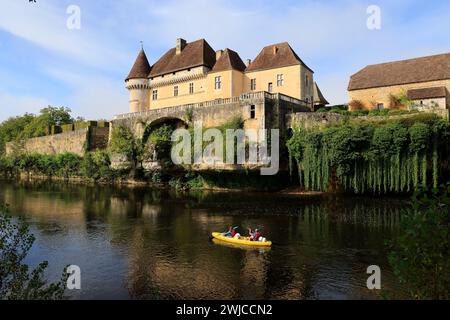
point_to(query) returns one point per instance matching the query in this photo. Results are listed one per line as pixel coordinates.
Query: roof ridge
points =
(409, 59)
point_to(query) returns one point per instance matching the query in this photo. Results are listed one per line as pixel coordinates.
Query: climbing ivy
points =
(391, 156)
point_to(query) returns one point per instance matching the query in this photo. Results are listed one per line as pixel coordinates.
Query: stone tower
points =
(138, 84)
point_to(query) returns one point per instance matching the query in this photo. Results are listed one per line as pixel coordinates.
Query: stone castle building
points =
(423, 82)
(193, 72)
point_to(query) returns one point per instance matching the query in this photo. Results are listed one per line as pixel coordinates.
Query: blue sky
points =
(43, 62)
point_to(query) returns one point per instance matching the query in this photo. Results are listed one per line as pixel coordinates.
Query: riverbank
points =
(182, 181)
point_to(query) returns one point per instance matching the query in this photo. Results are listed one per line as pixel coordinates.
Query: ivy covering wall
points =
(398, 155)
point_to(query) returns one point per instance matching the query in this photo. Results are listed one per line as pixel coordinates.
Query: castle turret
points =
(138, 84)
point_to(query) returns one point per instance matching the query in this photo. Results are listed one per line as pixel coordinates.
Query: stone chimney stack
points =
(218, 54)
(181, 43)
(248, 62)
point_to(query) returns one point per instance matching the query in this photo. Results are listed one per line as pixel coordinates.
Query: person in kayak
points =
(231, 233)
(254, 235)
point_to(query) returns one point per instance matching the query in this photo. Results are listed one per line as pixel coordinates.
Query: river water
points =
(141, 243)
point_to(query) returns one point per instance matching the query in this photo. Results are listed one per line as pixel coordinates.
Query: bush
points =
(96, 166)
(420, 254)
(356, 105)
(398, 155)
(16, 281)
(359, 113)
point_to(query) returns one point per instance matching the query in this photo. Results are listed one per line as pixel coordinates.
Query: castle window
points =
(280, 80)
(252, 112)
(191, 88)
(253, 84)
(155, 95)
(306, 81)
(175, 91)
(380, 106)
(270, 87)
(218, 83)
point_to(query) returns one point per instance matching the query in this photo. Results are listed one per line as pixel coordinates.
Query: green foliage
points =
(420, 254)
(12, 128)
(96, 166)
(16, 280)
(161, 134)
(50, 116)
(391, 156)
(29, 125)
(64, 165)
(123, 142)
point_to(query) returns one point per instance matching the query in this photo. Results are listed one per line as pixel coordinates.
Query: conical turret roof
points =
(141, 68)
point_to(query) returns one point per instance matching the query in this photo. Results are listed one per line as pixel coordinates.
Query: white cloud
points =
(45, 25)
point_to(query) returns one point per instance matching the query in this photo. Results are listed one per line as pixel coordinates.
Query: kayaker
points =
(231, 233)
(254, 235)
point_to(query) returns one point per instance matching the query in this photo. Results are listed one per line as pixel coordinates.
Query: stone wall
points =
(313, 120)
(76, 142)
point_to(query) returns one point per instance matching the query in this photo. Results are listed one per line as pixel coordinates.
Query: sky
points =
(43, 62)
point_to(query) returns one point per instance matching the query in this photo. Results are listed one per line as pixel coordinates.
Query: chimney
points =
(248, 62)
(275, 49)
(218, 54)
(181, 43)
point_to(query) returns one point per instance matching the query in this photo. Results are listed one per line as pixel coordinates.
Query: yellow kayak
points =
(220, 236)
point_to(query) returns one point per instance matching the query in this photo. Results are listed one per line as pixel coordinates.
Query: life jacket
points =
(256, 235)
(233, 233)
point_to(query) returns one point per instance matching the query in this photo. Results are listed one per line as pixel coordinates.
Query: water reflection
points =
(154, 244)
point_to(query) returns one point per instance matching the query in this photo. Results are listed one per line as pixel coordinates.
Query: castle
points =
(193, 72)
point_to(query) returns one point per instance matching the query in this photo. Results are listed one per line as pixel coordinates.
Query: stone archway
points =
(156, 141)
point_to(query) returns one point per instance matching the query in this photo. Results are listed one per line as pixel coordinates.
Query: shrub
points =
(16, 281)
(393, 156)
(356, 105)
(420, 254)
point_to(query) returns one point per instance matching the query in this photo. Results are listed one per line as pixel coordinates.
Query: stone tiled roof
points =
(427, 93)
(275, 56)
(230, 60)
(194, 54)
(431, 68)
(318, 96)
(141, 67)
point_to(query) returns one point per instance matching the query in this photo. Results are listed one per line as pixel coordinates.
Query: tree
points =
(12, 128)
(420, 255)
(50, 116)
(16, 282)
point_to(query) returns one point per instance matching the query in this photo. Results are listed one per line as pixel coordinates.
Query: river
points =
(142, 243)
